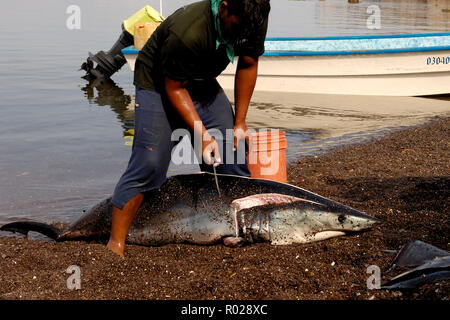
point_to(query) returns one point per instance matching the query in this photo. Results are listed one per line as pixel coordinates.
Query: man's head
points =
(240, 18)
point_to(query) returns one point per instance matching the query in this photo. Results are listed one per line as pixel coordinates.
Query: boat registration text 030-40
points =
(438, 60)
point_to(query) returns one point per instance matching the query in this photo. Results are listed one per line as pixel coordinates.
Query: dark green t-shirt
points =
(183, 48)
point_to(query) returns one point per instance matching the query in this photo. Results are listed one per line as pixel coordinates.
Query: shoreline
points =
(402, 178)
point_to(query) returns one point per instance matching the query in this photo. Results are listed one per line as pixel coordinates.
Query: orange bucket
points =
(267, 156)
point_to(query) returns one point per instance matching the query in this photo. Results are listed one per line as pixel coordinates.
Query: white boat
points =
(390, 65)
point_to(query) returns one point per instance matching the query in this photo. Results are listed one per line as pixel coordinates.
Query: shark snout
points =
(355, 221)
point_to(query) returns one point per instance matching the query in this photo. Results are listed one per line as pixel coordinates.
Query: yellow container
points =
(146, 14)
(142, 32)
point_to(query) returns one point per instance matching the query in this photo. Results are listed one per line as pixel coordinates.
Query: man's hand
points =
(241, 133)
(210, 148)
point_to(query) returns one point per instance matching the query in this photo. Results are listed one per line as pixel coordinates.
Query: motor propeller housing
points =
(109, 62)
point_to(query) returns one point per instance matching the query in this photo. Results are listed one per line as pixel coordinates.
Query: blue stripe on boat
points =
(351, 45)
(330, 53)
(381, 36)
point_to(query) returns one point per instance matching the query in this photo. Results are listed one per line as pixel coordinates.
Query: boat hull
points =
(389, 74)
(390, 65)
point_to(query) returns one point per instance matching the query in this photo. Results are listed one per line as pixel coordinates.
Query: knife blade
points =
(215, 176)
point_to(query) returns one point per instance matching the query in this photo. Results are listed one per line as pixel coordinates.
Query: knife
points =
(215, 176)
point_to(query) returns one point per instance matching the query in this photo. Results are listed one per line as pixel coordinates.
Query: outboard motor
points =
(108, 63)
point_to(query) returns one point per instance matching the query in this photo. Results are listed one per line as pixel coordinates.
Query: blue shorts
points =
(155, 120)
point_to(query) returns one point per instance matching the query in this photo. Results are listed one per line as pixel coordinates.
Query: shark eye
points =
(341, 218)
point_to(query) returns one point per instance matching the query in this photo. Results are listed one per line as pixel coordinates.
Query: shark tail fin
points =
(24, 227)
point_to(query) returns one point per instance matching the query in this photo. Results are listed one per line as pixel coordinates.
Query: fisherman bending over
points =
(175, 78)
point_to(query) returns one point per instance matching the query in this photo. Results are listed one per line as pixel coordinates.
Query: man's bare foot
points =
(116, 247)
(121, 221)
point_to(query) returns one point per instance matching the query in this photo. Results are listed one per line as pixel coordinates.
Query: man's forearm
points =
(245, 80)
(181, 100)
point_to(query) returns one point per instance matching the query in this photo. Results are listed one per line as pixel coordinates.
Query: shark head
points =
(307, 222)
(287, 219)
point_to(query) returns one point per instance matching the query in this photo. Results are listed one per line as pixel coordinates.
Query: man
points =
(176, 88)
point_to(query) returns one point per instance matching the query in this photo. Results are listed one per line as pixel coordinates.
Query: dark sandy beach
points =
(404, 179)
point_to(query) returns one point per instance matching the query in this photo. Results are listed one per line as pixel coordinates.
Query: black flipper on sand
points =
(24, 227)
(417, 281)
(433, 271)
(416, 253)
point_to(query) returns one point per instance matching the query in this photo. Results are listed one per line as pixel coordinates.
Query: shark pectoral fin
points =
(233, 242)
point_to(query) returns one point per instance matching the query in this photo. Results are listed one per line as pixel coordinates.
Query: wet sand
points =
(404, 179)
(335, 115)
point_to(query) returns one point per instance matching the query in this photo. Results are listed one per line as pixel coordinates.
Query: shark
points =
(188, 208)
